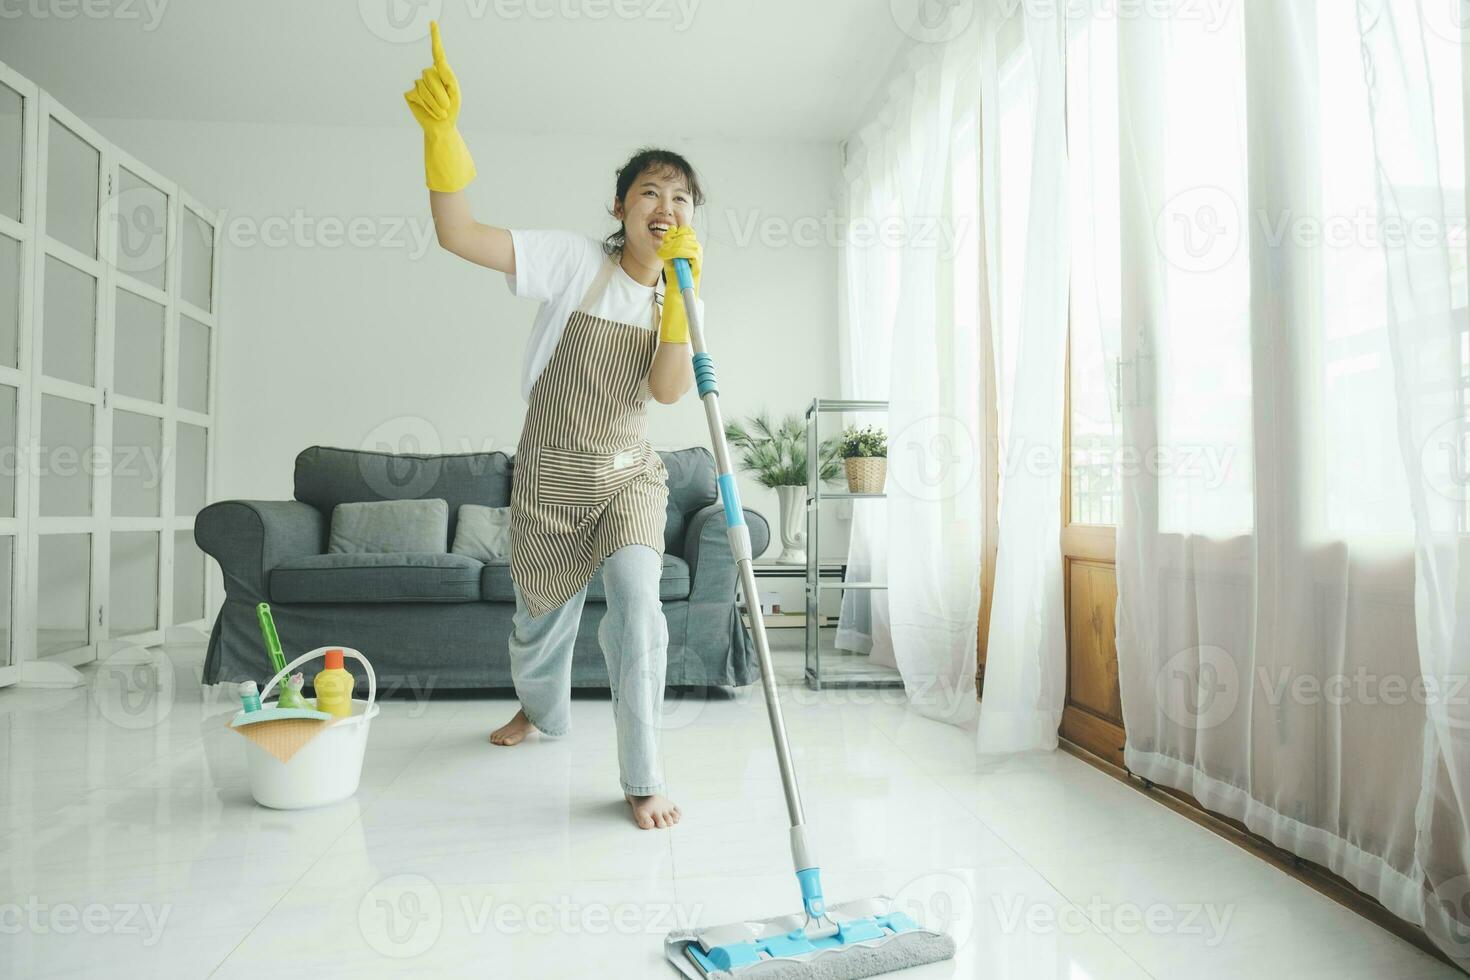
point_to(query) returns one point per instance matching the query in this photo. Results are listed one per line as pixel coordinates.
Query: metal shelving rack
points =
(853, 670)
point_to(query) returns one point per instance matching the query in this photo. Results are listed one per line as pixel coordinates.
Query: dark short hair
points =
(649, 158)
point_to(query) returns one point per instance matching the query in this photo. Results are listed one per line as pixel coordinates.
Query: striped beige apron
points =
(586, 480)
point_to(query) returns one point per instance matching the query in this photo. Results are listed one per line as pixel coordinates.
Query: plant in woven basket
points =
(865, 458)
(776, 454)
(867, 441)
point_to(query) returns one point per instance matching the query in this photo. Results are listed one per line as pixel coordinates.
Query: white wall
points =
(387, 338)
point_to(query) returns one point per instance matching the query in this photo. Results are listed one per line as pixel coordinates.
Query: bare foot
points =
(514, 730)
(653, 811)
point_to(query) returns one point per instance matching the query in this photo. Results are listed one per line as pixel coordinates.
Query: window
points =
(1096, 303)
(1187, 167)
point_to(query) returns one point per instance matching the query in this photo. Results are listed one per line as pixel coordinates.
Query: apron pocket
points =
(574, 478)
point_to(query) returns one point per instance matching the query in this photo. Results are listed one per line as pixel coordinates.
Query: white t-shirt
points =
(556, 267)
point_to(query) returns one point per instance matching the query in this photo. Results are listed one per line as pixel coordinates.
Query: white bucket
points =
(326, 769)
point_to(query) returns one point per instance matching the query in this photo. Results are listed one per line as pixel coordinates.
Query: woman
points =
(588, 490)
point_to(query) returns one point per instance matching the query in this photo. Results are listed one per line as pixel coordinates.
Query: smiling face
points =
(658, 200)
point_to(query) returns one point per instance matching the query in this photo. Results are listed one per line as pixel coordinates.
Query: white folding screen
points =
(107, 393)
(19, 100)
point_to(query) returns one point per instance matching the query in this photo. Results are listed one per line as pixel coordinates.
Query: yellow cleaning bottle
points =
(334, 687)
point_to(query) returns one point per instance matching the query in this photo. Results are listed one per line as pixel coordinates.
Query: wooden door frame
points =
(1094, 544)
(990, 484)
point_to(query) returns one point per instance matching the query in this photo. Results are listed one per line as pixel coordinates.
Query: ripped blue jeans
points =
(634, 637)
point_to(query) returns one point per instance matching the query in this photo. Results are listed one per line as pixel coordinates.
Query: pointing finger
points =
(436, 42)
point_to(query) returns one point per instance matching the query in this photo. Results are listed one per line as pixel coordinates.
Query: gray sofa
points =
(441, 621)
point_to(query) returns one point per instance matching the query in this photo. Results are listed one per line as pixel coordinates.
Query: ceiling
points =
(741, 69)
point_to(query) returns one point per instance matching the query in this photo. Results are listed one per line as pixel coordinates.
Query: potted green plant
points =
(776, 456)
(865, 458)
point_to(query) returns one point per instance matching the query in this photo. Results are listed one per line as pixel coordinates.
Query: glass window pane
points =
(65, 457)
(198, 260)
(11, 151)
(190, 456)
(142, 229)
(1203, 370)
(1354, 426)
(188, 578)
(73, 171)
(7, 577)
(1097, 278)
(137, 465)
(193, 365)
(139, 351)
(9, 300)
(64, 589)
(69, 323)
(132, 603)
(8, 467)
(1359, 428)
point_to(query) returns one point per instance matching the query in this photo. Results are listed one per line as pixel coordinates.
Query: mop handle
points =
(739, 536)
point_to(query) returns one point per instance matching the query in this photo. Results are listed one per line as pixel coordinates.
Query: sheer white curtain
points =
(943, 248)
(868, 305)
(1293, 382)
(910, 334)
(1416, 82)
(1024, 154)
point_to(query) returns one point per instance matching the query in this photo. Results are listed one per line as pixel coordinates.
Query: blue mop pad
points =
(865, 942)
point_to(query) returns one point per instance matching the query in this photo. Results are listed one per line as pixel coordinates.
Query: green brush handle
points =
(272, 642)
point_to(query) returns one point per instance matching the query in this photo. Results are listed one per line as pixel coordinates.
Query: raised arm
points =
(434, 101)
(460, 233)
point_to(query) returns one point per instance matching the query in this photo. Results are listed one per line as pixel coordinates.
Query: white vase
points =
(793, 521)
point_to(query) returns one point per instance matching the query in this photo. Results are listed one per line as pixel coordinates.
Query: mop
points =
(854, 939)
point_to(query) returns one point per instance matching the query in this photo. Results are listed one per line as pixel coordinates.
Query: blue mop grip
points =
(704, 365)
(730, 496)
(704, 374)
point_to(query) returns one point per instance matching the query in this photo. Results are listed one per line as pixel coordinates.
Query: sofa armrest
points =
(712, 571)
(250, 537)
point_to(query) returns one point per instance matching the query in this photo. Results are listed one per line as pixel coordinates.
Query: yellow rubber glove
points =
(434, 101)
(678, 243)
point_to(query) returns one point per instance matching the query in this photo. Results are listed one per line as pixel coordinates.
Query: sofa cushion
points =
(495, 583)
(327, 476)
(484, 533)
(377, 577)
(389, 526)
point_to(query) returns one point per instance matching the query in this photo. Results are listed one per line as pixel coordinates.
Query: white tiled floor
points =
(130, 846)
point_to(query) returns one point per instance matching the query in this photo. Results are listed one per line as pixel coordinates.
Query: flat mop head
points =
(868, 939)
